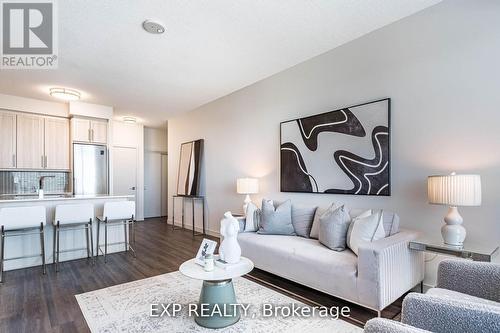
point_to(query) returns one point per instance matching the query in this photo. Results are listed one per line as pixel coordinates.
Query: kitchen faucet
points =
(40, 190)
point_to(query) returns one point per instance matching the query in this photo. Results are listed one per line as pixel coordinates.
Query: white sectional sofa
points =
(384, 270)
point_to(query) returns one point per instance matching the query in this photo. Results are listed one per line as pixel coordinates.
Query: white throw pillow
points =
(366, 227)
(251, 218)
(315, 225)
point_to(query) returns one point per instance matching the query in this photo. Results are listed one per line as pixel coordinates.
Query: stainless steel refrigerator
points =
(90, 169)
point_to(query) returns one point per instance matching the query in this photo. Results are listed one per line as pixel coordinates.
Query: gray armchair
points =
(466, 299)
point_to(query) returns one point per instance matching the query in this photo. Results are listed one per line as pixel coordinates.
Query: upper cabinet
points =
(57, 143)
(30, 145)
(34, 142)
(89, 130)
(8, 140)
(99, 130)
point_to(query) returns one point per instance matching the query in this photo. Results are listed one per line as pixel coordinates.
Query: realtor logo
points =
(29, 34)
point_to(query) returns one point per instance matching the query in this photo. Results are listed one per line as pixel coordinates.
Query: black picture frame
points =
(346, 192)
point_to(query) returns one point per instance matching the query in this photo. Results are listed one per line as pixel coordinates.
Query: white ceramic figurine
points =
(229, 249)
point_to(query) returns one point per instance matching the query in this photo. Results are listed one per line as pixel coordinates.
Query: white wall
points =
(439, 66)
(16, 103)
(155, 139)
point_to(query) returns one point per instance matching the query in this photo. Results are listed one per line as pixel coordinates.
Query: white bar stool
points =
(117, 213)
(21, 221)
(73, 217)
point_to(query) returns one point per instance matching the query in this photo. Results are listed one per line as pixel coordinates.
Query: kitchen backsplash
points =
(24, 182)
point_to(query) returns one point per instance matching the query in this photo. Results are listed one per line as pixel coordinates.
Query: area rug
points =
(126, 308)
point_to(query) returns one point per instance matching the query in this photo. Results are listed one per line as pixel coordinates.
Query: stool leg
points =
(87, 239)
(2, 248)
(97, 240)
(125, 225)
(42, 246)
(91, 242)
(105, 239)
(58, 234)
(54, 246)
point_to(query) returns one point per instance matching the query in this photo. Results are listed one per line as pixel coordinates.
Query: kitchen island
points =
(30, 244)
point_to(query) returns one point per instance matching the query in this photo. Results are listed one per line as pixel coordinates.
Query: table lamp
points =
(454, 190)
(247, 186)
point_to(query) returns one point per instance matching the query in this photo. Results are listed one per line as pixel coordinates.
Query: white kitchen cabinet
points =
(80, 129)
(57, 143)
(8, 140)
(89, 130)
(30, 142)
(99, 131)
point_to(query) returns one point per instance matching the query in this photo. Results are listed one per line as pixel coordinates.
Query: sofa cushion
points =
(390, 220)
(304, 261)
(276, 221)
(302, 219)
(252, 218)
(333, 228)
(315, 225)
(365, 228)
(451, 294)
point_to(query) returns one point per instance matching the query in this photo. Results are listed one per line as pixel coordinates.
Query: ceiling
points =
(210, 49)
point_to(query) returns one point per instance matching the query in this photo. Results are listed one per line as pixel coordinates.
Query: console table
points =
(193, 198)
(476, 252)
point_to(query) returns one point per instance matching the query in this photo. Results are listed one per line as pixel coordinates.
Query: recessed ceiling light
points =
(130, 120)
(65, 94)
(153, 27)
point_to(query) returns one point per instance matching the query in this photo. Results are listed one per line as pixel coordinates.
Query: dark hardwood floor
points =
(32, 302)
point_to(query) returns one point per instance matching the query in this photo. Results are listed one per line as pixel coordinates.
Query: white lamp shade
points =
(454, 190)
(247, 185)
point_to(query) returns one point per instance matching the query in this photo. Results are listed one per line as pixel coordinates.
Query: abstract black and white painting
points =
(346, 151)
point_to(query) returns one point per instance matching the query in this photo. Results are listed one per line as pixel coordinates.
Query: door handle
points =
(14, 160)
(46, 161)
(133, 188)
(42, 162)
(90, 135)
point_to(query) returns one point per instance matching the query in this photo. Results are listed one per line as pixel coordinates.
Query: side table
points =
(217, 290)
(469, 250)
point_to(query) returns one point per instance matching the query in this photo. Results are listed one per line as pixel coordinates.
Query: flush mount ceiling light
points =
(65, 94)
(153, 27)
(130, 120)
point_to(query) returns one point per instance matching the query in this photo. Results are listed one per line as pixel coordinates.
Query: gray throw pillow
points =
(276, 221)
(302, 219)
(333, 228)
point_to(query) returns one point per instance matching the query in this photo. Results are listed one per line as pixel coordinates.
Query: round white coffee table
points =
(217, 291)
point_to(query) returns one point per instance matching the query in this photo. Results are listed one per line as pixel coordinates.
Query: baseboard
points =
(212, 233)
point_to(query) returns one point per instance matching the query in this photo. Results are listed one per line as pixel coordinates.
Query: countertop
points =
(59, 197)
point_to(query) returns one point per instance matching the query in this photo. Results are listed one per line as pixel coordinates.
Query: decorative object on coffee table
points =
(247, 186)
(345, 151)
(454, 190)
(207, 247)
(229, 250)
(217, 290)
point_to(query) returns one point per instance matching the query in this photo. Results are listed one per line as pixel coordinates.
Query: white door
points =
(30, 152)
(152, 184)
(124, 171)
(164, 185)
(57, 143)
(80, 129)
(99, 131)
(7, 140)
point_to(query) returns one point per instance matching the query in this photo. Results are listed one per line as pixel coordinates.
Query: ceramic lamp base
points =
(245, 205)
(453, 232)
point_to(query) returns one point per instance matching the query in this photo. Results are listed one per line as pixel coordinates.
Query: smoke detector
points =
(153, 27)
